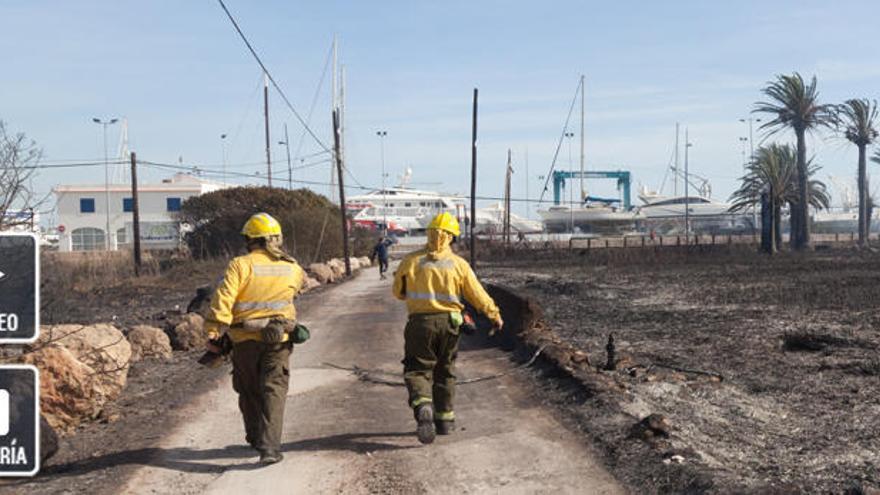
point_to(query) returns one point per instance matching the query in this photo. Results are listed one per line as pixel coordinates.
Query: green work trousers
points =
(430, 349)
(261, 375)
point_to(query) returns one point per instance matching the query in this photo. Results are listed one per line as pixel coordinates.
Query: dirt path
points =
(343, 435)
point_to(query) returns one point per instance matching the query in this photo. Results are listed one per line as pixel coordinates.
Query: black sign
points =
(19, 288)
(19, 420)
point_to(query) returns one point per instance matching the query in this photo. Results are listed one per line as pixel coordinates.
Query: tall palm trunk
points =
(864, 221)
(777, 227)
(801, 236)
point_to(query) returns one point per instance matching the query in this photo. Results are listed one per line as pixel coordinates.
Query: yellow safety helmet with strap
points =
(445, 221)
(261, 225)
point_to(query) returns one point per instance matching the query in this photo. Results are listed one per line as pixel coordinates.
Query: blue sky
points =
(179, 74)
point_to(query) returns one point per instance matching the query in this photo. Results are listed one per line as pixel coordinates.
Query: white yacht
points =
(490, 220)
(666, 215)
(402, 209)
(598, 218)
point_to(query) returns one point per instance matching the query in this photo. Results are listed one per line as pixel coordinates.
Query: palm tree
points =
(857, 120)
(794, 105)
(775, 167)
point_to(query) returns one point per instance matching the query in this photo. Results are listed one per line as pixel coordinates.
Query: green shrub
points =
(311, 223)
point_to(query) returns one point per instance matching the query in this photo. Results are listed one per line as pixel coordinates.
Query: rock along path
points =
(344, 435)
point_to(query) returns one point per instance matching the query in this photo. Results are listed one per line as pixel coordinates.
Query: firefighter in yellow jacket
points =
(435, 282)
(255, 302)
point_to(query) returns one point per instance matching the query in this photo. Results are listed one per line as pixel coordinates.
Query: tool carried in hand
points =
(214, 359)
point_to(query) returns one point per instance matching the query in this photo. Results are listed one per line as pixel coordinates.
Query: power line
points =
(299, 144)
(325, 184)
(246, 175)
(561, 138)
(269, 76)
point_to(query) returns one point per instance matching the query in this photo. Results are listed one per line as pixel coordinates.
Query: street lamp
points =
(105, 124)
(687, 184)
(743, 141)
(223, 150)
(286, 143)
(751, 121)
(382, 135)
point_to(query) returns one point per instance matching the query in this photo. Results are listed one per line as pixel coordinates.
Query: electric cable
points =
(269, 76)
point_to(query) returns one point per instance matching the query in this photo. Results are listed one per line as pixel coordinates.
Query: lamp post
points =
(223, 152)
(105, 124)
(286, 143)
(751, 122)
(743, 141)
(687, 187)
(382, 135)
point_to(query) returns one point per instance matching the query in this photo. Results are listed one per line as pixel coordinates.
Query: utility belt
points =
(272, 330)
(462, 320)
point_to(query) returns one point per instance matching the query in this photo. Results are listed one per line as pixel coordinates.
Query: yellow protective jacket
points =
(440, 282)
(256, 285)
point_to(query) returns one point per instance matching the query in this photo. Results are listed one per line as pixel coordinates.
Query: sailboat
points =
(589, 214)
(665, 214)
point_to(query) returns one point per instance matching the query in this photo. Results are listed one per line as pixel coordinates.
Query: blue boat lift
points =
(622, 176)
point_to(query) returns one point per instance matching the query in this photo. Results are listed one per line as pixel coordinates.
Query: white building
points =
(82, 213)
(22, 221)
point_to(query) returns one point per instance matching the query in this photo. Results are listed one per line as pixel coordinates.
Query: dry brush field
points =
(794, 338)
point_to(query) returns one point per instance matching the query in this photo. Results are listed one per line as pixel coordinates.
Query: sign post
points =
(19, 288)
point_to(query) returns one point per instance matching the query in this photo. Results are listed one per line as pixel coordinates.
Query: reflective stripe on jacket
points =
(255, 285)
(440, 284)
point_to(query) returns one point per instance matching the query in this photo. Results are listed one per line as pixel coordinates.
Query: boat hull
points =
(588, 220)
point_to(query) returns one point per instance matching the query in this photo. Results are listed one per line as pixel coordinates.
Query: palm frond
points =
(775, 165)
(856, 120)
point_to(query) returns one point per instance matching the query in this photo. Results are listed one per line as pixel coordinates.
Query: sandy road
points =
(343, 435)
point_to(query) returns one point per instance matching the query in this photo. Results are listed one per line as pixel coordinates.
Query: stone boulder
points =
(322, 273)
(365, 262)
(355, 264)
(310, 284)
(149, 342)
(188, 333)
(70, 391)
(338, 267)
(101, 347)
(48, 440)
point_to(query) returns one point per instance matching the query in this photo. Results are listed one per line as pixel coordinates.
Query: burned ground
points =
(794, 339)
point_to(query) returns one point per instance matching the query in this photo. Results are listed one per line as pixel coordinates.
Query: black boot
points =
(444, 427)
(425, 417)
(270, 457)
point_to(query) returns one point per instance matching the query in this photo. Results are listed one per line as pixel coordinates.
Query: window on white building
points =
(121, 238)
(87, 239)
(173, 204)
(127, 205)
(87, 205)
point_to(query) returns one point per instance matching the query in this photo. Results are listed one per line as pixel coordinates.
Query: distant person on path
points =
(255, 300)
(435, 282)
(380, 251)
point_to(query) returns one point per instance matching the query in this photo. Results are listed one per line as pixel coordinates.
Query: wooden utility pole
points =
(135, 216)
(473, 219)
(507, 177)
(339, 167)
(266, 118)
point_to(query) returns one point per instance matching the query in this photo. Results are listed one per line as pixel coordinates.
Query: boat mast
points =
(528, 203)
(675, 169)
(583, 193)
(342, 111)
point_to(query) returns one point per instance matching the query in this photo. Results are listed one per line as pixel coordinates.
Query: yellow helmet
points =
(261, 225)
(445, 221)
